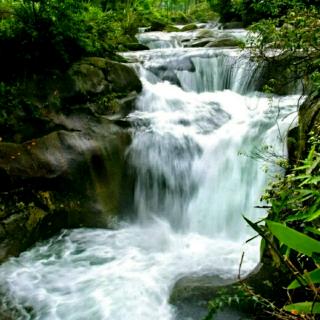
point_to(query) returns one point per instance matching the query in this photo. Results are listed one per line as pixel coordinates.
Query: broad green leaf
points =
(294, 239)
(311, 277)
(303, 307)
(314, 216)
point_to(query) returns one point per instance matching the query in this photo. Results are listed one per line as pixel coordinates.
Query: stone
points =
(122, 78)
(157, 25)
(224, 42)
(171, 28)
(200, 288)
(189, 27)
(96, 75)
(205, 33)
(233, 25)
(201, 43)
(87, 79)
(73, 173)
(136, 46)
(77, 178)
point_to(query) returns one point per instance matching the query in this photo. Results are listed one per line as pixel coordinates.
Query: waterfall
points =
(197, 123)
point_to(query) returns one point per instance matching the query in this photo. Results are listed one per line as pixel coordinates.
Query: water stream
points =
(197, 120)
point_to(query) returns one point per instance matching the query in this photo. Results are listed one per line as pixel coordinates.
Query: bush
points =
(40, 34)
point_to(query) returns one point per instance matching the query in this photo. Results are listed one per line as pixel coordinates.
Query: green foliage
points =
(294, 239)
(296, 36)
(291, 233)
(307, 307)
(308, 278)
(237, 298)
(228, 10)
(15, 109)
(52, 33)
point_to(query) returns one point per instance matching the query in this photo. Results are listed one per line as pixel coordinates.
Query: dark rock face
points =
(233, 25)
(309, 121)
(157, 26)
(76, 175)
(191, 294)
(135, 46)
(199, 288)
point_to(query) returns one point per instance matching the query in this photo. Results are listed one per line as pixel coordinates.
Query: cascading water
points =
(192, 187)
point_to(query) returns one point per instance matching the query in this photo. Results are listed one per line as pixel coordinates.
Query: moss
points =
(36, 215)
(205, 33)
(189, 27)
(97, 62)
(171, 28)
(46, 197)
(228, 42)
(87, 78)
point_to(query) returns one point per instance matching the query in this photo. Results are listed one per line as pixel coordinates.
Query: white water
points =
(192, 187)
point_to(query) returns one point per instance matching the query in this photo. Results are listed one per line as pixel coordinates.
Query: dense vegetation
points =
(41, 39)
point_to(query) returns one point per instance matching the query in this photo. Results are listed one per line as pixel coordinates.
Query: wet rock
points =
(157, 26)
(191, 294)
(87, 79)
(67, 179)
(171, 28)
(224, 42)
(201, 43)
(136, 46)
(197, 288)
(205, 33)
(120, 78)
(309, 121)
(189, 27)
(233, 25)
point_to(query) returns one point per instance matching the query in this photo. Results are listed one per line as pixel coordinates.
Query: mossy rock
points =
(205, 33)
(87, 78)
(200, 288)
(122, 78)
(157, 25)
(36, 215)
(201, 43)
(309, 121)
(233, 25)
(189, 27)
(92, 76)
(225, 42)
(171, 28)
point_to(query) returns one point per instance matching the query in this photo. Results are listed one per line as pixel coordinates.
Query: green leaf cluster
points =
(291, 234)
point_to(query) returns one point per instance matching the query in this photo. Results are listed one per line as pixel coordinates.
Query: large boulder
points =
(190, 295)
(96, 75)
(66, 179)
(74, 175)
